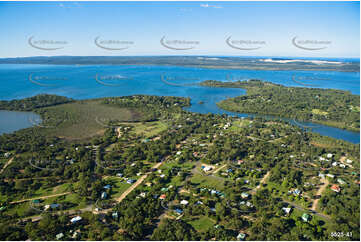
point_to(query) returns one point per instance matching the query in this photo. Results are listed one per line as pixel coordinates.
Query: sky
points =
(300, 29)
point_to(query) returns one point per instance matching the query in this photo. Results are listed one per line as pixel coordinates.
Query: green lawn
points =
(208, 181)
(201, 224)
(119, 186)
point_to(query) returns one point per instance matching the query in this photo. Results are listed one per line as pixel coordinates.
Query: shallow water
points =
(94, 81)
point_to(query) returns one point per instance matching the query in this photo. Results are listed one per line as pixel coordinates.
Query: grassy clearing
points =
(118, 186)
(201, 224)
(149, 129)
(208, 181)
(83, 119)
(319, 112)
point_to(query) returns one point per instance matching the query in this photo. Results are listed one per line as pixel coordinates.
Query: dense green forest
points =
(331, 107)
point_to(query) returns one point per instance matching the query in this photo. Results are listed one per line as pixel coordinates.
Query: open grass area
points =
(149, 129)
(208, 181)
(201, 224)
(83, 119)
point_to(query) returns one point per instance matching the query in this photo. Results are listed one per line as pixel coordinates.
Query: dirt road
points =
(43, 197)
(137, 183)
(319, 193)
(263, 180)
(6, 164)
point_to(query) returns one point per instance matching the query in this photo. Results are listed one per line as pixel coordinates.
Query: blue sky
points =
(272, 25)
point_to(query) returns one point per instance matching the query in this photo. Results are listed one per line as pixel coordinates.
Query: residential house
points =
(306, 217)
(335, 188)
(76, 219)
(178, 211)
(162, 197)
(104, 195)
(331, 175)
(59, 236)
(286, 210)
(244, 195)
(184, 202)
(342, 182)
(241, 236)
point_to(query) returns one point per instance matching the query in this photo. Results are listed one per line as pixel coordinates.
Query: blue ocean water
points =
(94, 81)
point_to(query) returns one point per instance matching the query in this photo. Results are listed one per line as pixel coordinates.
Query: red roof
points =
(335, 188)
(163, 196)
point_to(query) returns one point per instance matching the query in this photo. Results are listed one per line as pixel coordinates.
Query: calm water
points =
(83, 82)
(11, 121)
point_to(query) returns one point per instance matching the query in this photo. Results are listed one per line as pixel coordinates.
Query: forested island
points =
(330, 107)
(142, 168)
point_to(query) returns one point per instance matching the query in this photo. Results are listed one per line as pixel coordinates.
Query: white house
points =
(184, 202)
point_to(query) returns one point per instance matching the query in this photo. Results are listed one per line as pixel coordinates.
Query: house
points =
(76, 219)
(130, 181)
(115, 215)
(206, 168)
(329, 155)
(230, 170)
(321, 175)
(162, 197)
(241, 236)
(184, 202)
(36, 201)
(330, 175)
(199, 202)
(244, 195)
(107, 186)
(75, 235)
(342, 165)
(164, 189)
(59, 236)
(104, 195)
(119, 175)
(239, 162)
(322, 159)
(142, 194)
(179, 152)
(178, 210)
(248, 204)
(334, 163)
(342, 182)
(306, 217)
(286, 210)
(335, 188)
(7, 154)
(46, 207)
(296, 192)
(348, 161)
(162, 176)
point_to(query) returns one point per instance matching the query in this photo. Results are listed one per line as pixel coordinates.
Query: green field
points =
(201, 224)
(83, 119)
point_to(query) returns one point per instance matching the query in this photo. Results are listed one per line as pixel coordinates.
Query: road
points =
(263, 180)
(136, 184)
(43, 197)
(319, 192)
(89, 208)
(220, 168)
(308, 210)
(6, 164)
